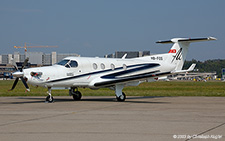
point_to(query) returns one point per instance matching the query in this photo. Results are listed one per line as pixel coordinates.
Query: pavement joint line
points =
(206, 131)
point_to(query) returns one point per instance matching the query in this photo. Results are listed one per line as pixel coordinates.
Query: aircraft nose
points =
(18, 74)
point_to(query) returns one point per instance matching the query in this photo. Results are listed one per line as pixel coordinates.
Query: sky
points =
(99, 27)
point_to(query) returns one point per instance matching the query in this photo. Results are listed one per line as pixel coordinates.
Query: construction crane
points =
(25, 47)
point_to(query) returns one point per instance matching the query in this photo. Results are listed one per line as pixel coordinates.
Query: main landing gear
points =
(120, 96)
(75, 93)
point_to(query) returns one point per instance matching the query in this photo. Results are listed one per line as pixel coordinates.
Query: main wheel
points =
(122, 97)
(77, 95)
(49, 99)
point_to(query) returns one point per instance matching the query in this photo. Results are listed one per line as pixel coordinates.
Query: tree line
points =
(215, 65)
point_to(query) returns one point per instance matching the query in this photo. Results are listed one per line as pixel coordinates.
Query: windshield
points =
(68, 63)
(63, 62)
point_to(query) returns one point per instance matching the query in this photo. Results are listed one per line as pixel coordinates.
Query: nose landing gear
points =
(49, 98)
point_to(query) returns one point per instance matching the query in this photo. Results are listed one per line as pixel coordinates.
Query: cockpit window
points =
(68, 63)
(73, 63)
(63, 62)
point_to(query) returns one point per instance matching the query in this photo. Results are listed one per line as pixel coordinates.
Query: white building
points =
(38, 58)
(10, 59)
(0, 59)
(16, 56)
(35, 57)
(54, 57)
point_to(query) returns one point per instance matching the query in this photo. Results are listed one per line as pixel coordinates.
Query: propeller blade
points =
(15, 65)
(25, 83)
(14, 84)
(25, 63)
(20, 74)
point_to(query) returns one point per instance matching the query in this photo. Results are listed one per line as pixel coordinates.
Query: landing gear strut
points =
(49, 98)
(120, 96)
(75, 93)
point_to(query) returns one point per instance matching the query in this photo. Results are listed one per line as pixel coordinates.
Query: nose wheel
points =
(49, 98)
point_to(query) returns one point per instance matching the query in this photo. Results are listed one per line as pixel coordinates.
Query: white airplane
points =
(113, 73)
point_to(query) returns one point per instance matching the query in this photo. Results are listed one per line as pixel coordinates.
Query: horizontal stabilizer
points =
(191, 68)
(175, 40)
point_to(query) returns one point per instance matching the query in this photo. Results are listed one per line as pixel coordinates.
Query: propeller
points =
(19, 74)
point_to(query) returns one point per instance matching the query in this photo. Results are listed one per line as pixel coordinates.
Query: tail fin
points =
(178, 52)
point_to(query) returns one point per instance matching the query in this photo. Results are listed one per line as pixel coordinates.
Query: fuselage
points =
(93, 72)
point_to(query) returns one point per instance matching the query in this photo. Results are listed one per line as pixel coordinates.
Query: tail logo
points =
(172, 51)
(178, 55)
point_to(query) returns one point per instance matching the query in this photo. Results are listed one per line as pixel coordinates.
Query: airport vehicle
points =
(113, 73)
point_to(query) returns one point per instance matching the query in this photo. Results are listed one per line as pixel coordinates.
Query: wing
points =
(143, 76)
(137, 73)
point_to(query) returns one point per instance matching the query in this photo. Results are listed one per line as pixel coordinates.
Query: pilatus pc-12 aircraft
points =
(113, 73)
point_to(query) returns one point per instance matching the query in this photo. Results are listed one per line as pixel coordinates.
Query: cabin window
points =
(73, 64)
(112, 66)
(102, 66)
(95, 66)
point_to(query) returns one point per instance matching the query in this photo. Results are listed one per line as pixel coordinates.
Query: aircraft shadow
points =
(126, 101)
(87, 99)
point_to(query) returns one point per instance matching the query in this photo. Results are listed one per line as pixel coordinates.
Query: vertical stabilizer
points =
(178, 52)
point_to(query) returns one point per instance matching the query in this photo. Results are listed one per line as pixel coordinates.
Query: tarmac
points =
(105, 119)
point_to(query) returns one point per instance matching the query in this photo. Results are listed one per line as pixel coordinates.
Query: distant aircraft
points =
(113, 73)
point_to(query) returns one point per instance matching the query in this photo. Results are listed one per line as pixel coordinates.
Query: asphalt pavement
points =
(105, 119)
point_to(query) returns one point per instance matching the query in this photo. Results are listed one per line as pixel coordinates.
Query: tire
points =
(49, 99)
(77, 95)
(121, 98)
